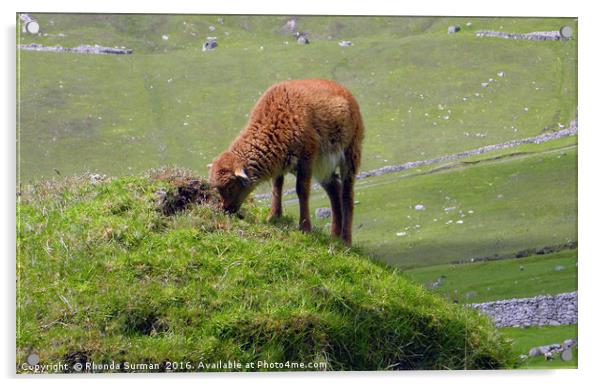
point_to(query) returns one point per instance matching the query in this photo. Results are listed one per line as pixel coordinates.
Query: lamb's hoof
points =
(273, 218)
(305, 227)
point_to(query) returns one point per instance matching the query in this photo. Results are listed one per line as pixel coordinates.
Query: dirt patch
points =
(185, 190)
(75, 357)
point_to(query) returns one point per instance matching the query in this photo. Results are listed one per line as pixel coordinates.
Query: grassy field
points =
(497, 280)
(491, 206)
(419, 88)
(526, 338)
(104, 277)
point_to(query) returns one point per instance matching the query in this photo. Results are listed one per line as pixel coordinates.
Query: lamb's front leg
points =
(303, 189)
(276, 210)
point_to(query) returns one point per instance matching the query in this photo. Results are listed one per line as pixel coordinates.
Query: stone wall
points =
(548, 136)
(560, 309)
(83, 49)
(541, 35)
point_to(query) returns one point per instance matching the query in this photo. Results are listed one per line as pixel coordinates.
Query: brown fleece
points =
(305, 127)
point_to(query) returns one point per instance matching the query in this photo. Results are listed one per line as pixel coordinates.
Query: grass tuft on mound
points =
(104, 276)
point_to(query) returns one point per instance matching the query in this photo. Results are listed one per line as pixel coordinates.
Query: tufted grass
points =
(103, 276)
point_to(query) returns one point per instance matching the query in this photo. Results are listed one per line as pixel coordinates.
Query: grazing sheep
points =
(307, 127)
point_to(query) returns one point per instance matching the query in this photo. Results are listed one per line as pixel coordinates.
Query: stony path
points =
(570, 131)
(560, 309)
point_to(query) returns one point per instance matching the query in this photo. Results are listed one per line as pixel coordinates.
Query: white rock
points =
(419, 207)
(165, 37)
(402, 233)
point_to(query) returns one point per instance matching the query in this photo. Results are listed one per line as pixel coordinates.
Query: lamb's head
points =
(227, 174)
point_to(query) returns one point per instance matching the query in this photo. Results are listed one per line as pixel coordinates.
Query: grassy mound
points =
(104, 276)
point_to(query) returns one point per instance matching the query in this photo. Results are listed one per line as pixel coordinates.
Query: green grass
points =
(523, 200)
(103, 276)
(509, 278)
(170, 103)
(526, 338)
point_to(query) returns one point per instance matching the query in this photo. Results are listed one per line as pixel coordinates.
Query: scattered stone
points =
(301, 38)
(30, 24)
(459, 221)
(96, 178)
(323, 212)
(453, 29)
(566, 32)
(210, 43)
(536, 351)
(345, 43)
(165, 37)
(212, 28)
(566, 355)
(568, 343)
(220, 20)
(290, 25)
(501, 74)
(559, 268)
(419, 207)
(436, 283)
(402, 233)
(484, 84)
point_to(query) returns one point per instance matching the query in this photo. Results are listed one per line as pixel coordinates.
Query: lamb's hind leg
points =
(276, 210)
(332, 187)
(348, 172)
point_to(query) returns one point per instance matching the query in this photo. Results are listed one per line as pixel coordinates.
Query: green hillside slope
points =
(491, 206)
(103, 276)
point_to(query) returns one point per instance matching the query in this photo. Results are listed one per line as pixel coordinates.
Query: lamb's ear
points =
(240, 172)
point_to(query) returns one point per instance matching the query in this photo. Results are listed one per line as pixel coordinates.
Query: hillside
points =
(104, 276)
(502, 205)
(419, 88)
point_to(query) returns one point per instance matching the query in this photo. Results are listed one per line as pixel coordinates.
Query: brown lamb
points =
(307, 127)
